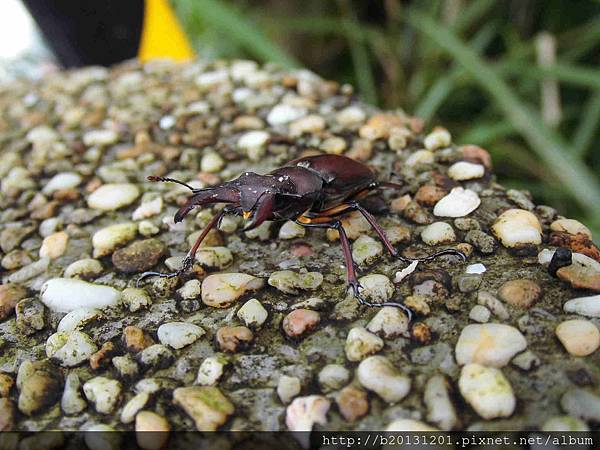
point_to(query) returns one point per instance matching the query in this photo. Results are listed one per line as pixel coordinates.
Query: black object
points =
(90, 32)
(562, 257)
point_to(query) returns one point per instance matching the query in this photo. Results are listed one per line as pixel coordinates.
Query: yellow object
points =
(162, 36)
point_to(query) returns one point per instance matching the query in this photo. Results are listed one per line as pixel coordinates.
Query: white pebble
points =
(67, 294)
(54, 245)
(487, 390)
(288, 388)
(84, 268)
(333, 377)
(579, 337)
(60, 181)
(480, 313)
(475, 268)
(491, 344)
(214, 257)
(148, 209)
(211, 370)
(360, 343)
(70, 348)
(71, 401)
(282, 114)
(103, 392)
(179, 334)
(440, 409)
(379, 375)
(222, 289)
(458, 203)
(517, 227)
(570, 226)
(112, 196)
(365, 250)
(212, 162)
(100, 138)
(389, 322)
(402, 274)
(420, 157)
(77, 319)
(438, 233)
(190, 290)
(253, 314)
(109, 238)
(464, 170)
(291, 282)
(409, 425)
(376, 287)
(133, 406)
(438, 138)
(291, 230)
(135, 299)
(584, 306)
(304, 412)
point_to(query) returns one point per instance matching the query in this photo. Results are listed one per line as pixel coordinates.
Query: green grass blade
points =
(548, 145)
(590, 119)
(222, 17)
(572, 74)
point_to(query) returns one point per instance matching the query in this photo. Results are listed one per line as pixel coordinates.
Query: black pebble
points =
(562, 257)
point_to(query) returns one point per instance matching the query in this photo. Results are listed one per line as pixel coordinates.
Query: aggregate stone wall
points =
(261, 332)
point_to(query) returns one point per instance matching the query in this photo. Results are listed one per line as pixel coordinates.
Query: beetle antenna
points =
(170, 180)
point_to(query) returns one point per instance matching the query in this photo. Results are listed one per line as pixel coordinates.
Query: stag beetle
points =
(314, 191)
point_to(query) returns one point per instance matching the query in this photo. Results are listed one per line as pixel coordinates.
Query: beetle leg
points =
(381, 233)
(188, 261)
(324, 222)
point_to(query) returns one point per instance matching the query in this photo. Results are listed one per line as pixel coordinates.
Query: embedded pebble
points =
(458, 203)
(304, 412)
(206, 405)
(579, 337)
(366, 250)
(333, 377)
(104, 393)
(61, 181)
(376, 287)
(526, 360)
(479, 314)
(138, 256)
(179, 334)
(288, 388)
(409, 425)
(517, 227)
(102, 437)
(378, 374)
(70, 348)
(353, 403)
(66, 294)
(584, 306)
(291, 230)
(152, 430)
(570, 226)
(464, 170)
(521, 293)
(487, 390)
(39, 386)
(233, 339)
(135, 339)
(212, 162)
(77, 319)
(491, 344)
(214, 257)
(475, 269)
(10, 295)
(54, 245)
(254, 143)
(252, 313)
(291, 282)
(420, 157)
(583, 273)
(156, 356)
(564, 424)
(112, 196)
(360, 343)
(222, 289)
(29, 271)
(300, 321)
(438, 233)
(388, 323)
(133, 406)
(148, 209)
(72, 401)
(581, 404)
(106, 240)
(86, 269)
(283, 114)
(440, 409)
(438, 138)
(30, 316)
(211, 370)
(136, 299)
(486, 299)
(483, 242)
(190, 290)
(101, 138)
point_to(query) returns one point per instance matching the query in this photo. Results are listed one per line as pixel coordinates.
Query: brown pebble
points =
(466, 249)
(135, 339)
(6, 383)
(66, 195)
(580, 243)
(208, 178)
(300, 322)
(520, 293)
(233, 339)
(10, 295)
(417, 214)
(45, 211)
(477, 154)
(429, 195)
(7, 415)
(397, 234)
(301, 249)
(421, 333)
(580, 277)
(353, 403)
(399, 204)
(138, 256)
(102, 357)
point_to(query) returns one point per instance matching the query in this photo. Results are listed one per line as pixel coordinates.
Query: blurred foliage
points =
(471, 66)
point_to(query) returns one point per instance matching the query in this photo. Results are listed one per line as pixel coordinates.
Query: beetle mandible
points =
(314, 191)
